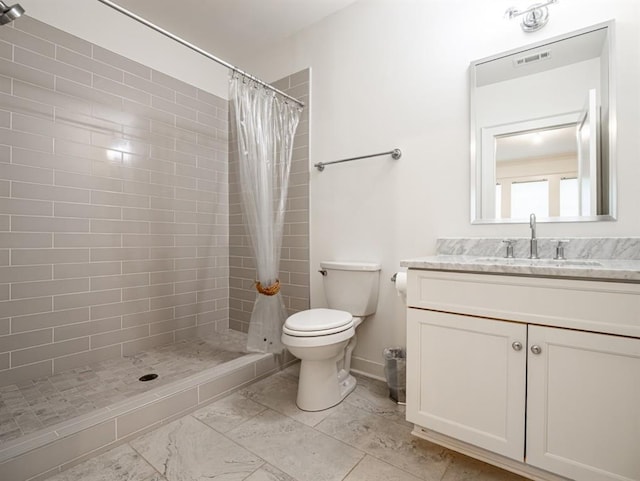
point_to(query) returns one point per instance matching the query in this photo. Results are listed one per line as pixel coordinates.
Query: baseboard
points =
(367, 368)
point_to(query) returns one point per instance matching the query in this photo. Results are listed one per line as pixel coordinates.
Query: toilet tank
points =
(351, 286)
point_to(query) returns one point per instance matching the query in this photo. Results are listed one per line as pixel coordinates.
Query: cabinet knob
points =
(517, 346)
(536, 349)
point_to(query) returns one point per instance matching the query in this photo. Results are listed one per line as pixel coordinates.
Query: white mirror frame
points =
(479, 179)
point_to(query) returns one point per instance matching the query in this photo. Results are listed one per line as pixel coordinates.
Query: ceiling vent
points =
(532, 58)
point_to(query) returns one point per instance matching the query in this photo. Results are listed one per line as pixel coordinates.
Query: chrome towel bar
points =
(395, 154)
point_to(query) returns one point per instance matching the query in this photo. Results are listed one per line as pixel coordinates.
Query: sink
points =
(539, 262)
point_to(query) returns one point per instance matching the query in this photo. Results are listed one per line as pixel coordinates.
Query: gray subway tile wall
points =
(294, 262)
(113, 205)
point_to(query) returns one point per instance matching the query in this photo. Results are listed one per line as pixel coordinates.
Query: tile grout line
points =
(128, 443)
(264, 461)
(300, 423)
(354, 467)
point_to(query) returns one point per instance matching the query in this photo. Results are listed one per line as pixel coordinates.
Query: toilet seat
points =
(317, 322)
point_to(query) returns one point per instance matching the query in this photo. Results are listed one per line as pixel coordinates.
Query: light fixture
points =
(535, 17)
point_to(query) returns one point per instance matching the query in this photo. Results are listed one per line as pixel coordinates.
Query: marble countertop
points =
(625, 270)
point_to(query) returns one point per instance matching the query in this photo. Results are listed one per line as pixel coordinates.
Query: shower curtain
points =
(265, 126)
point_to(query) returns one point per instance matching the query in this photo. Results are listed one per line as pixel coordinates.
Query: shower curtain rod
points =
(195, 48)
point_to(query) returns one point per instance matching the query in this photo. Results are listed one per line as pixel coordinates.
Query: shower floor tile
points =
(40, 403)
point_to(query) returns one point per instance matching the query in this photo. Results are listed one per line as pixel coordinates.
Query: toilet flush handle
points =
(323, 272)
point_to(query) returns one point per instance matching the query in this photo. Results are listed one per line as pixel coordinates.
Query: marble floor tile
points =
(228, 412)
(10, 431)
(292, 371)
(373, 396)
(269, 473)
(119, 464)
(300, 451)
(372, 469)
(387, 440)
(279, 393)
(28, 422)
(464, 468)
(7, 425)
(188, 450)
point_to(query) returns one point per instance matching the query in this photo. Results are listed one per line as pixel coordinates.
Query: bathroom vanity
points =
(533, 366)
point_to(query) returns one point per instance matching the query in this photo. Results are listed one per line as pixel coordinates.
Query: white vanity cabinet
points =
(539, 376)
(583, 404)
(466, 381)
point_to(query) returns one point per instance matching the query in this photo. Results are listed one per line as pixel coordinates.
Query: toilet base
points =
(321, 386)
(347, 384)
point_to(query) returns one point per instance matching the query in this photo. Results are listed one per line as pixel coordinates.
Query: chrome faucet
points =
(533, 253)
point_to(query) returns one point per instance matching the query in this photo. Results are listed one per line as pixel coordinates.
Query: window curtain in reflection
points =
(265, 126)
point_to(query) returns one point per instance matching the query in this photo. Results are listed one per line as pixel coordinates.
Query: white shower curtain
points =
(265, 125)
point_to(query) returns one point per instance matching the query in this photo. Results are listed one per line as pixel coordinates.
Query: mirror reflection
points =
(542, 131)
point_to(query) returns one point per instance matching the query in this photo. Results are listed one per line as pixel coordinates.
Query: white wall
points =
(100, 24)
(393, 73)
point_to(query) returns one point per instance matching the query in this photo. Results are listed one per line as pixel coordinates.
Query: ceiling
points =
(233, 29)
(537, 144)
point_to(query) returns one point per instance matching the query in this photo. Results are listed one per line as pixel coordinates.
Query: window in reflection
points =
(544, 197)
(530, 197)
(569, 205)
(531, 174)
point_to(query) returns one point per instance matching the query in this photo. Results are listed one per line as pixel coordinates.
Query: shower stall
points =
(126, 276)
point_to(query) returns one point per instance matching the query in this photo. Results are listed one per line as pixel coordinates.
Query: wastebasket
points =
(395, 370)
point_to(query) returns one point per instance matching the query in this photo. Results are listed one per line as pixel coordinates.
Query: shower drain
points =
(147, 377)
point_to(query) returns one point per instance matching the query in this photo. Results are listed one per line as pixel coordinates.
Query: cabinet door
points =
(583, 404)
(466, 380)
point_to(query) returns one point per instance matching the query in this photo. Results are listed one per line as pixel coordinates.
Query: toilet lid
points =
(315, 320)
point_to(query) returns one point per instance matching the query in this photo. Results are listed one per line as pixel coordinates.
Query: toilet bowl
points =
(324, 338)
(321, 383)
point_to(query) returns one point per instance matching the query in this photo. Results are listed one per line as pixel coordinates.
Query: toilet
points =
(324, 339)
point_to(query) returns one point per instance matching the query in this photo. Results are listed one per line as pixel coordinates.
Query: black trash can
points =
(395, 370)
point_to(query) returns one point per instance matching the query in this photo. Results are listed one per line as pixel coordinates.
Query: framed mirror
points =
(543, 132)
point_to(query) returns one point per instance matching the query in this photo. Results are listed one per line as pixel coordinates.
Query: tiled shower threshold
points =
(58, 447)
